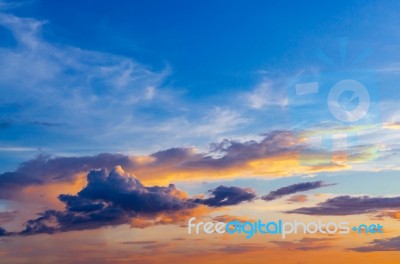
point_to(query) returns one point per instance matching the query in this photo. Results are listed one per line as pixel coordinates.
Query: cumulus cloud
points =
(110, 198)
(125, 191)
(225, 196)
(386, 244)
(294, 188)
(348, 205)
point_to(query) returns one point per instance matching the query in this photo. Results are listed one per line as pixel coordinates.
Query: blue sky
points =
(156, 77)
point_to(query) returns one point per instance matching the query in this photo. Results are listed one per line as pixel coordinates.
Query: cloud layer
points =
(274, 155)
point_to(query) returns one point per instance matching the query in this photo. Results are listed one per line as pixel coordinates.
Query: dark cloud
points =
(225, 196)
(294, 188)
(117, 197)
(347, 205)
(386, 244)
(3, 232)
(108, 199)
(127, 192)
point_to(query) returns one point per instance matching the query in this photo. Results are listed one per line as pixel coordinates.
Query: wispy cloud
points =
(266, 94)
(386, 244)
(294, 188)
(306, 244)
(93, 92)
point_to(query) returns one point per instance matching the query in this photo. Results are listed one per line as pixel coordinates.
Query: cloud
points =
(125, 191)
(143, 242)
(109, 199)
(100, 95)
(3, 232)
(294, 188)
(96, 92)
(231, 218)
(382, 214)
(44, 170)
(6, 217)
(393, 125)
(241, 249)
(298, 199)
(275, 155)
(266, 94)
(347, 205)
(272, 143)
(306, 244)
(225, 196)
(386, 244)
(219, 121)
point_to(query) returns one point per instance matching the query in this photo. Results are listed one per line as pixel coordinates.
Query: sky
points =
(121, 121)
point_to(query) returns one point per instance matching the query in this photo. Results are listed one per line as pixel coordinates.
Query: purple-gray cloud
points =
(225, 196)
(347, 205)
(386, 244)
(294, 188)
